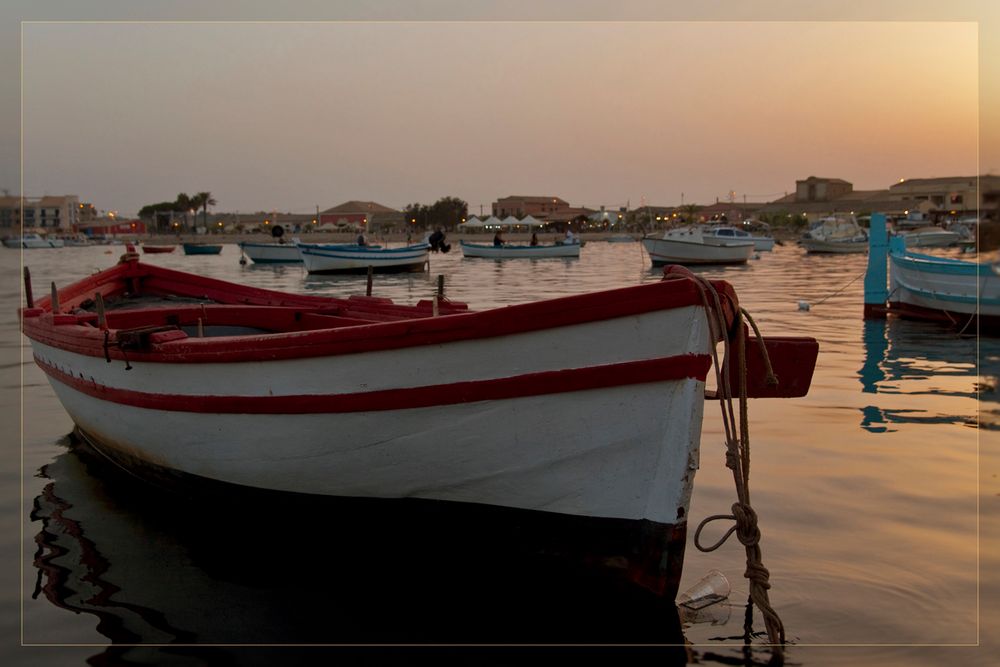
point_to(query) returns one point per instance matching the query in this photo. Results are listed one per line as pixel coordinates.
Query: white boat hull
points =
(617, 451)
(950, 286)
(356, 259)
(520, 251)
(933, 239)
(272, 253)
(678, 251)
(834, 247)
(32, 242)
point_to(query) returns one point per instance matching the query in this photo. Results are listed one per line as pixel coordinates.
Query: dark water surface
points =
(877, 494)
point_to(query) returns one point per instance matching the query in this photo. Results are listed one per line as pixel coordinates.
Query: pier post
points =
(28, 296)
(876, 291)
(371, 271)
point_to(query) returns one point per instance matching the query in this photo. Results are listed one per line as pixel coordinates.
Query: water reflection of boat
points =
(153, 567)
(914, 359)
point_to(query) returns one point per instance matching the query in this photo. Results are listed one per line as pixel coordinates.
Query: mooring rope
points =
(852, 281)
(738, 456)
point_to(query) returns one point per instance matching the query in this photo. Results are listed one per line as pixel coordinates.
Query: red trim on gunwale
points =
(531, 384)
(407, 326)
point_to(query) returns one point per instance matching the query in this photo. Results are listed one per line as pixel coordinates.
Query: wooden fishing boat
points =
(516, 251)
(352, 258)
(271, 253)
(202, 248)
(158, 249)
(535, 408)
(929, 287)
(690, 245)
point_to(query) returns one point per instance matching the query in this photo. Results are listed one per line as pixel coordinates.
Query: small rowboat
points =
(271, 253)
(152, 249)
(351, 258)
(509, 251)
(202, 248)
(535, 409)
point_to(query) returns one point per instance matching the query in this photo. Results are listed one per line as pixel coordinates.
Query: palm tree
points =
(204, 199)
(184, 204)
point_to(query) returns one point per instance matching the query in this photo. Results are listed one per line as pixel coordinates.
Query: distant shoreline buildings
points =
(935, 199)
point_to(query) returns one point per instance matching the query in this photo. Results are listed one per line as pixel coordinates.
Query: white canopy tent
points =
(531, 222)
(472, 224)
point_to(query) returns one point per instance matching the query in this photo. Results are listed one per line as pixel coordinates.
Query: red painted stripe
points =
(531, 384)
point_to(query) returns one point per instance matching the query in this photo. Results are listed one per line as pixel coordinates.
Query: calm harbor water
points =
(877, 494)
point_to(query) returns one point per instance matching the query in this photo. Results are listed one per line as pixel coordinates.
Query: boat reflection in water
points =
(912, 360)
(156, 568)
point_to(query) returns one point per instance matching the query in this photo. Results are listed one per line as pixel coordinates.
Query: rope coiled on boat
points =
(738, 454)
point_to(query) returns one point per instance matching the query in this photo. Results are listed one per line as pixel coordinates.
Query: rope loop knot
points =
(747, 531)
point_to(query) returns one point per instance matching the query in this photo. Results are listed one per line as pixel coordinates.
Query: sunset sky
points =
(288, 116)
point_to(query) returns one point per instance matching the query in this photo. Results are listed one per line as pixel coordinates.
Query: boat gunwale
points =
(410, 326)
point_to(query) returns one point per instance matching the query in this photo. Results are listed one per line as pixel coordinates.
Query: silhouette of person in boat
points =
(436, 241)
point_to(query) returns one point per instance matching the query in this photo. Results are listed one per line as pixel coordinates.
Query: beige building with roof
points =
(521, 206)
(47, 213)
(937, 198)
(952, 195)
(365, 214)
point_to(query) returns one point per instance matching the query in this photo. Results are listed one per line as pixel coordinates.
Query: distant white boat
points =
(835, 234)
(930, 236)
(728, 232)
(510, 251)
(690, 245)
(352, 258)
(74, 240)
(271, 253)
(31, 241)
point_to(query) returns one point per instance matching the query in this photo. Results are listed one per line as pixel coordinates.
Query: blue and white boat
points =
(271, 253)
(353, 258)
(929, 287)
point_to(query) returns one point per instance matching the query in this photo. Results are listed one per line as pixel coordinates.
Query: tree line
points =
(447, 213)
(182, 204)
